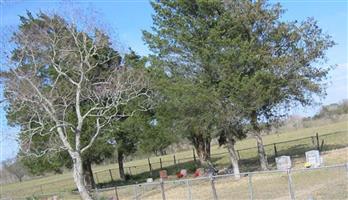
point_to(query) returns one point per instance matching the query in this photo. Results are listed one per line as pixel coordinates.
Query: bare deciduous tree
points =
(15, 167)
(61, 77)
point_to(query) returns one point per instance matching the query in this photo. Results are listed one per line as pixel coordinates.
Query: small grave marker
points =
(199, 172)
(313, 158)
(183, 172)
(283, 162)
(163, 174)
(149, 180)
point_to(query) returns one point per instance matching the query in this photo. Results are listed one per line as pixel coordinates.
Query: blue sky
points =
(126, 19)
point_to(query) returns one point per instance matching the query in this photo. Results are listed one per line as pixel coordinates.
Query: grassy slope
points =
(62, 182)
(319, 184)
(269, 139)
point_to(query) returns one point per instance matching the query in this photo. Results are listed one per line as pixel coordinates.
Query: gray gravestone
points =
(313, 158)
(283, 162)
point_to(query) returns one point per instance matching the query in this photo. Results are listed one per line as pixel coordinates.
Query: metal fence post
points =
(318, 144)
(275, 150)
(162, 189)
(112, 178)
(215, 197)
(135, 192)
(96, 193)
(189, 194)
(322, 145)
(194, 155)
(150, 167)
(250, 186)
(116, 193)
(291, 191)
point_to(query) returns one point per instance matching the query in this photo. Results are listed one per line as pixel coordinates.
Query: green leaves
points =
(242, 51)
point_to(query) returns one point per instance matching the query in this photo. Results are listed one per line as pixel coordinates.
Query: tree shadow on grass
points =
(295, 152)
(246, 165)
(190, 166)
(300, 150)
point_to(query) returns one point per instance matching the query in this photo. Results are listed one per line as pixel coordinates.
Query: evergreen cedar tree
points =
(240, 56)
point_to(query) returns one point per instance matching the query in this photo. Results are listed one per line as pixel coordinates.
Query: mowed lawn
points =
(330, 183)
(319, 184)
(64, 182)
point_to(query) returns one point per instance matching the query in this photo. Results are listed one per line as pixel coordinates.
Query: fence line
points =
(313, 143)
(66, 184)
(232, 175)
(299, 183)
(326, 182)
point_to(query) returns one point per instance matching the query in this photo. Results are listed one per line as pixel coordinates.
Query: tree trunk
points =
(88, 175)
(203, 155)
(202, 147)
(155, 152)
(233, 156)
(120, 158)
(260, 148)
(78, 176)
(163, 152)
(261, 152)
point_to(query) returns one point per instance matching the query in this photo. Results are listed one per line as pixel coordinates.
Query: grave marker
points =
(283, 162)
(313, 158)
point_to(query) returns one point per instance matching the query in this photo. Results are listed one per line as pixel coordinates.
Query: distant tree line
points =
(332, 110)
(13, 167)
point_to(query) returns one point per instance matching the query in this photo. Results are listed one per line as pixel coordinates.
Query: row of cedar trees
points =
(219, 69)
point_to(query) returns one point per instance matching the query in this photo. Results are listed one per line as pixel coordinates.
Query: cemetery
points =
(172, 99)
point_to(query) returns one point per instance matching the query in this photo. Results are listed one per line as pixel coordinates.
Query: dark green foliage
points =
(47, 163)
(277, 64)
(152, 134)
(126, 135)
(180, 40)
(219, 68)
(32, 198)
(257, 65)
(243, 48)
(156, 139)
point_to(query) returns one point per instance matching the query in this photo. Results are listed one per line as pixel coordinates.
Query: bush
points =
(32, 198)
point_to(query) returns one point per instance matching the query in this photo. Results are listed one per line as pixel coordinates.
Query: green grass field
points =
(64, 182)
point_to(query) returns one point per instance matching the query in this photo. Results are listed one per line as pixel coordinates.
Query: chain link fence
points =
(330, 182)
(248, 157)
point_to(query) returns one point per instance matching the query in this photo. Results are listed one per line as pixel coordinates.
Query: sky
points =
(125, 21)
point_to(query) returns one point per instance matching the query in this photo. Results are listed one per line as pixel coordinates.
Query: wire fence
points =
(105, 178)
(329, 182)
(290, 148)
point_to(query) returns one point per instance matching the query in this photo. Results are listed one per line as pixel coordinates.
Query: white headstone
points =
(313, 158)
(283, 162)
(149, 180)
